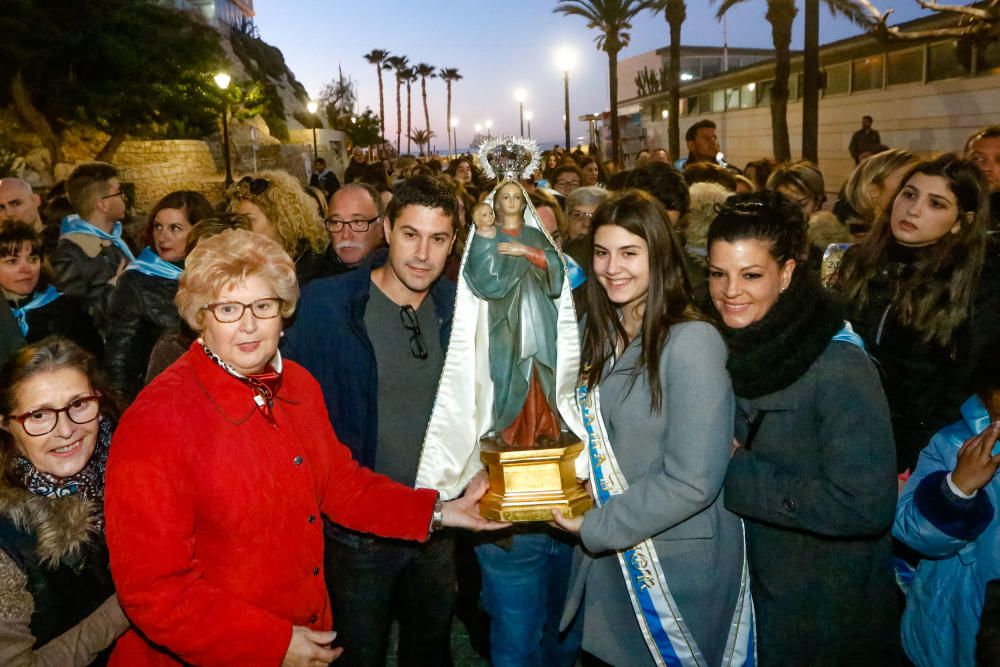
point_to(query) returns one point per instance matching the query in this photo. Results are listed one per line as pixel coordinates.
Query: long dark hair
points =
(668, 300)
(935, 300)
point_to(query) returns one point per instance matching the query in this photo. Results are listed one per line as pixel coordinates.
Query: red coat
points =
(213, 515)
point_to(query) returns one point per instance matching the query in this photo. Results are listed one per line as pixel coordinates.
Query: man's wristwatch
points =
(437, 516)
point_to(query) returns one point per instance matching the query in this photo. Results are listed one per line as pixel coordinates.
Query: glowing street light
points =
(566, 60)
(313, 106)
(222, 80)
(521, 95)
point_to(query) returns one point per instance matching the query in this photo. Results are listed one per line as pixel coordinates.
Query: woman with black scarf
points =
(812, 472)
(57, 600)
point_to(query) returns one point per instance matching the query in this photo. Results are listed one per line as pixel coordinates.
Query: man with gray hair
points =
(354, 223)
(580, 207)
(19, 203)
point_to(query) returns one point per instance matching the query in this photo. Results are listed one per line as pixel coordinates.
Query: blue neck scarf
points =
(40, 300)
(74, 224)
(151, 264)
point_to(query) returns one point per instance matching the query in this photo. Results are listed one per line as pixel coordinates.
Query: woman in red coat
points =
(218, 476)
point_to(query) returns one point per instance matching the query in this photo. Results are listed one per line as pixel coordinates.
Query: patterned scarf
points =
(88, 483)
(263, 386)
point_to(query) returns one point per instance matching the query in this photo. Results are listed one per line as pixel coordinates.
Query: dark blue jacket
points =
(329, 338)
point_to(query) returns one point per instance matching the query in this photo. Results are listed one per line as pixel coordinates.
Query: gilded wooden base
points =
(527, 484)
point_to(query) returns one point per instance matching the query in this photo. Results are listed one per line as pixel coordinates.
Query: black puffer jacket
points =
(925, 383)
(141, 309)
(66, 317)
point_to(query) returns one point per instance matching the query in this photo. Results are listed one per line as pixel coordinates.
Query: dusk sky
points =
(497, 47)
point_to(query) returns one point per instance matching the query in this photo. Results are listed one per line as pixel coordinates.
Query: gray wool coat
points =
(817, 490)
(675, 462)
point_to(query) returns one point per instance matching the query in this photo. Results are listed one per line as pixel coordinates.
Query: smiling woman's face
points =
(67, 448)
(745, 281)
(249, 343)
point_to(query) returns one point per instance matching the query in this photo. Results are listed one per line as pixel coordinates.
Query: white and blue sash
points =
(151, 264)
(669, 641)
(40, 300)
(74, 224)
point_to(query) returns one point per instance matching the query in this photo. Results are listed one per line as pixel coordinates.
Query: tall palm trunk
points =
(409, 117)
(450, 131)
(381, 102)
(810, 84)
(427, 114)
(399, 110)
(676, 13)
(616, 140)
(780, 14)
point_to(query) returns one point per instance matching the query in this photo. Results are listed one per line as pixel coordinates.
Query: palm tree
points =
(449, 75)
(425, 71)
(675, 12)
(398, 64)
(780, 14)
(422, 137)
(409, 76)
(613, 18)
(377, 57)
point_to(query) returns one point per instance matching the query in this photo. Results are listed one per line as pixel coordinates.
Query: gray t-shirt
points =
(407, 385)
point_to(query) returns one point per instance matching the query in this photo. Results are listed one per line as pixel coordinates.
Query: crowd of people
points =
(211, 423)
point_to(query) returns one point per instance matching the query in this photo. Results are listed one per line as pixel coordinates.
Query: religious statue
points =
(507, 395)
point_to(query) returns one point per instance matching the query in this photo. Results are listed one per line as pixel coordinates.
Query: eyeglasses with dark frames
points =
(120, 193)
(336, 226)
(228, 312)
(418, 348)
(43, 421)
(254, 186)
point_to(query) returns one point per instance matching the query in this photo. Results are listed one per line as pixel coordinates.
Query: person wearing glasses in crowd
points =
(281, 210)
(565, 179)
(354, 223)
(580, 207)
(57, 599)
(219, 474)
(91, 254)
(375, 339)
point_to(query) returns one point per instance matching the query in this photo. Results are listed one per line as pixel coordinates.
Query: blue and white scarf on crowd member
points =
(669, 641)
(151, 264)
(74, 224)
(40, 300)
(577, 276)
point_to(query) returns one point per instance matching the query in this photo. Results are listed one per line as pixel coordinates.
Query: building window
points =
(732, 98)
(710, 66)
(764, 93)
(988, 56)
(748, 96)
(906, 67)
(942, 63)
(692, 105)
(838, 79)
(868, 73)
(718, 101)
(705, 103)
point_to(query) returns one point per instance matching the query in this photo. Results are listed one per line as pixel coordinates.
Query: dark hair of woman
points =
(194, 204)
(50, 354)
(376, 176)
(668, 300)
(14, 236)
(936, 299)
(763, 216)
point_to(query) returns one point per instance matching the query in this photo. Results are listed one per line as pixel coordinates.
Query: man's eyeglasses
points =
(43, 421)
(228, 312)
(255, 186)
(580, 216)
(120, 193)
(336, 226)
(567, 184)
(417, 346)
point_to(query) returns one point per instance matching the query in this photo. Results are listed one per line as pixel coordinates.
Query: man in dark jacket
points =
(10, 335)
(91, 254)
(356, 167)
(324, 178)
(864, 140)
(376, 343)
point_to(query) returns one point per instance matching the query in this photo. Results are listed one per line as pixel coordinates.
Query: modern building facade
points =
(925, 96)
(234, 13)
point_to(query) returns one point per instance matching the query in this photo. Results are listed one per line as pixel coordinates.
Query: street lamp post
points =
(565, 58)
(222, 81)
(454, 133)
(528, 116)
(313, 107)
(489, 126)
(521, 95)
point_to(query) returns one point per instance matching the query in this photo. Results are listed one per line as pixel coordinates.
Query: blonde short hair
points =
(229, 258)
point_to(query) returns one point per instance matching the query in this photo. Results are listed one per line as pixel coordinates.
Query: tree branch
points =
(973, 12)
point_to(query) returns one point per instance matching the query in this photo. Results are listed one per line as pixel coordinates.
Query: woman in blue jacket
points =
(947, 513)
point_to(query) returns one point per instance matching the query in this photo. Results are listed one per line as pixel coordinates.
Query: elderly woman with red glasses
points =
(220, 472)
(57, 601)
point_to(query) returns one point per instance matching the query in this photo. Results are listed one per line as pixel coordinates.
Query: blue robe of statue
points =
(522, 317)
